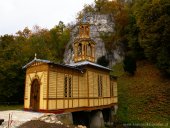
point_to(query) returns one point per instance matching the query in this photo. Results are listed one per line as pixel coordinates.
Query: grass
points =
(145, 97)
(11, 107)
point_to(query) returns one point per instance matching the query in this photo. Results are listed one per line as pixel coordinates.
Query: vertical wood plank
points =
(72, 87)
(78, 92)
(56, 87)
(93, 89)
(64, 90)
(88, 87)
(47, 87)
(25, 91)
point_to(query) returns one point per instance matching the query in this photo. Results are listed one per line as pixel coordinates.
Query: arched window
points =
(79, 49)
(89, 50)
(100, 86)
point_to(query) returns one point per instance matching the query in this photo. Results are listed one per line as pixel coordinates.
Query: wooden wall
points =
(40, 73)
(94, 98)
(84, 87)
(56, 89)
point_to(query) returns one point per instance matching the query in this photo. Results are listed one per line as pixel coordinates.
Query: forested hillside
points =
(144, 98)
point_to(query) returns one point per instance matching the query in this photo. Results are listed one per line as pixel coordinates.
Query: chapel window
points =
(79, 49)
(65, 86)
(100, 86)
(89, 52)
(68, 86)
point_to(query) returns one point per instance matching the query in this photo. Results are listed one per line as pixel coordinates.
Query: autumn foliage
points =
(17, 50)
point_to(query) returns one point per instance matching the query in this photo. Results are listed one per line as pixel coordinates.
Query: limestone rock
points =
(50, 118)
(81, 126)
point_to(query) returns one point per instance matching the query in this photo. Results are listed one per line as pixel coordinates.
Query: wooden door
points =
(35, 95)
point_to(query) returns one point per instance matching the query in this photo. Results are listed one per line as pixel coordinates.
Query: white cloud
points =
(18, 14)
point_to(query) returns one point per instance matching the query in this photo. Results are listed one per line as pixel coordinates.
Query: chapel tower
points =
(84, 46)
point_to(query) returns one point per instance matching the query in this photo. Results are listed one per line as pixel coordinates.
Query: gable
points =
(36, 62)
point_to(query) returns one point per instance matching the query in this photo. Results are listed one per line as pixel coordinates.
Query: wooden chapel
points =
(83, 85)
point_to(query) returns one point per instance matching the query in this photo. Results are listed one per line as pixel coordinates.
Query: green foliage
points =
(16, 51)
(129, 64)
(108, 39)
(118, 70)
(103, 61)
(62, 38)
(153, 19)
(88, 9)
(11, 107)
(132, 31)
(99, 5)
(10, 69)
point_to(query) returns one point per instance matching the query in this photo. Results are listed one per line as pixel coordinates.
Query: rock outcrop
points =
(99, 24)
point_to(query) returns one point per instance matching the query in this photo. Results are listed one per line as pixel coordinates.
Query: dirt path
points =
(19, 115)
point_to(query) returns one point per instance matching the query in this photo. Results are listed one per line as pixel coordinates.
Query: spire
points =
(84, 28)
(84, 46)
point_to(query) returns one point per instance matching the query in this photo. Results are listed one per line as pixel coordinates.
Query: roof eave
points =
(35, 60)
(91, 64)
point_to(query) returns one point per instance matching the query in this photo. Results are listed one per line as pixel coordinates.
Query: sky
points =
(15, 15)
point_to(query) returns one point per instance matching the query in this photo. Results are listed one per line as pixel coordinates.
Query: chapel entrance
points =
(35, 95)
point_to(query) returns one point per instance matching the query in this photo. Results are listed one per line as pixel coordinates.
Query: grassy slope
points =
(145, 97)
(11, 107)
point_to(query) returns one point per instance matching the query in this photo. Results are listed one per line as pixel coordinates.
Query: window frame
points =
(100, 86)
(68, 86)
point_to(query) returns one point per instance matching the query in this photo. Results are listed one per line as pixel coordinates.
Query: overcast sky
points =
(17, 14)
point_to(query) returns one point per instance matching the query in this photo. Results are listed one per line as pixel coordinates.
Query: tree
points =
(153, 19)
(132, 32)
(11, 73)
(129, 64)
(103, 61)
(60, 36)
(26, 33)
(99, 4)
